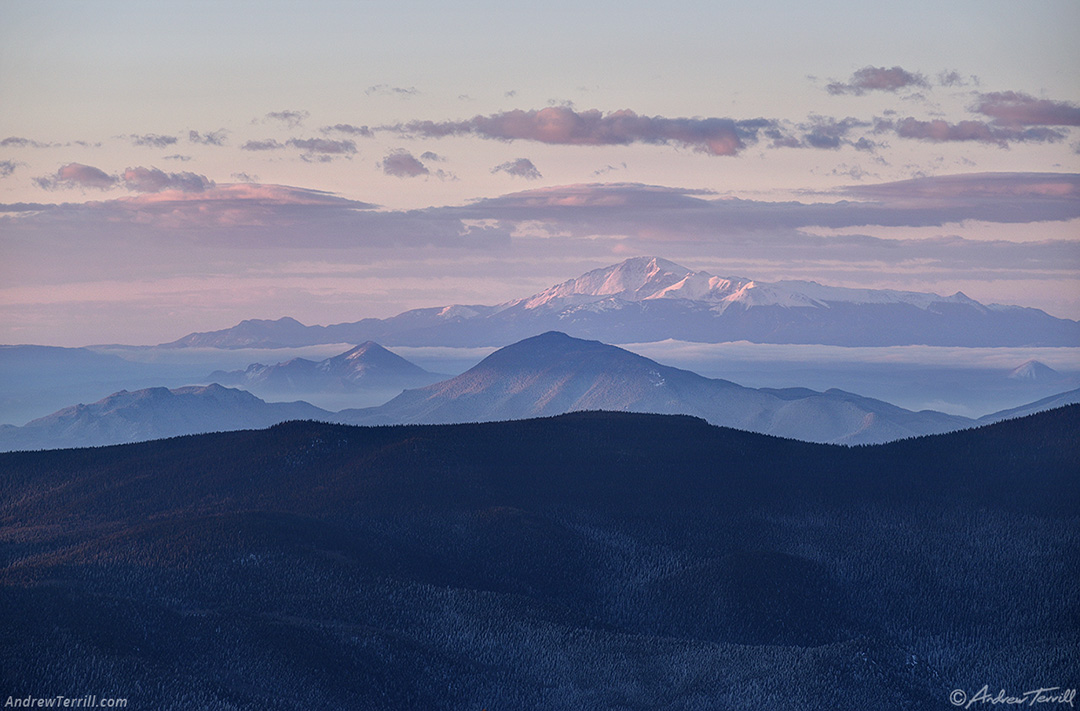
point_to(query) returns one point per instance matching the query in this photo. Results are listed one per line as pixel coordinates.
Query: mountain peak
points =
(370, 356)
(367, 349)
(630, 280)
(649, 264)
(1033, 370)
(553, 373)
(649, 298)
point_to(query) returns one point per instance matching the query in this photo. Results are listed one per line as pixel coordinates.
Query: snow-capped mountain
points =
(1034, 371)
(650, 299)
(553, 373)
(153, 413)
(368, 366)
(647, 278)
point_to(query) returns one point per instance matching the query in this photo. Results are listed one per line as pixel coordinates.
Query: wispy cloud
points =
(291, 118)
(952, 78)
(20, 142)
(825, 132)
(609, 169)
(152, 140)
(212, 138)
(349, 129)
(878, 79)
(323, 149)
(562, 125)
(7, 167)
(268, 145)
(520, 167)
(387, 90)
(402, 164)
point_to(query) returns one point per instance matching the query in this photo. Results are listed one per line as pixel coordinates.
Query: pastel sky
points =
(167, 167)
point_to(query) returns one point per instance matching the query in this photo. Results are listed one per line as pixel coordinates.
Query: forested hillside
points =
(587, 561)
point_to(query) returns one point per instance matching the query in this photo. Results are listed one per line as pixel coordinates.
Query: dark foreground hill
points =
(588, 561)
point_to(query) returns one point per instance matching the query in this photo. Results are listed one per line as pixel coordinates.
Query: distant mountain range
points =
(588, 561)
(544, 375)
(554, 373)
(649, 299)
(153, 413)
(368, 366)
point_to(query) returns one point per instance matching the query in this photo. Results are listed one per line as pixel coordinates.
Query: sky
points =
(173, 167)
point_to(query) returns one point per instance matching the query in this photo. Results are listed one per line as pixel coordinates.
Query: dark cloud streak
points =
(387, 90)
(402, 164)
(268, 145)
(213, 138)
(20, 142)
(324, 146)
(521, 167)
(152, 140)
(349, 129)
(562, 125)
(153, 180)
(290, 118)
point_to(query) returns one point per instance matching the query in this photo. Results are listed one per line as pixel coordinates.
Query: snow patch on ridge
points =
(652, 278)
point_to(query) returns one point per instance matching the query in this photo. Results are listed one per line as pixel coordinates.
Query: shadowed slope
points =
(594, 560)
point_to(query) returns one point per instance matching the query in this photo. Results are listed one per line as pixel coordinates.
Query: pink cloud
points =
(878, 79)
(228, 205)
(939, 130)
(77, 175)
(1017, 109)
(138, 179)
